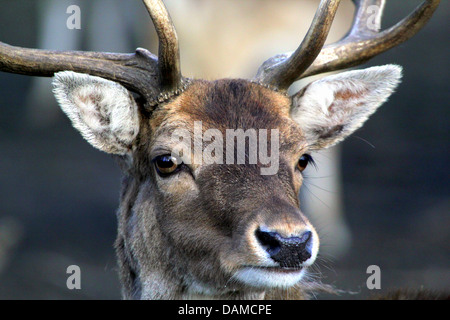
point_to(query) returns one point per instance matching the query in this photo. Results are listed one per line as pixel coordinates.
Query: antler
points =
(156, 79)
(142, 72)
(169, 52)
(362, 42)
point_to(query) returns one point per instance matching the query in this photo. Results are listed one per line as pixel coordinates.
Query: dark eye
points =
(303, 162)
(166, 164)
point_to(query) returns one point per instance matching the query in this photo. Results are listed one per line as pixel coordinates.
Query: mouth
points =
(278, 269)
(269, 277)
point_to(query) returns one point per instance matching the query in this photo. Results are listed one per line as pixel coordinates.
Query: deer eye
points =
(304, 161)
(166, 164)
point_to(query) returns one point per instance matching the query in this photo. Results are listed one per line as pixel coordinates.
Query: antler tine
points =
(363, 41)
(168, 51)
(282, 72)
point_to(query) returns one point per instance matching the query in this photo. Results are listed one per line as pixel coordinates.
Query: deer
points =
(189, 229)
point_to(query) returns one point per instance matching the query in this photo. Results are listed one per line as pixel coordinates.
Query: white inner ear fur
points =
(330, 109)
(103, 111)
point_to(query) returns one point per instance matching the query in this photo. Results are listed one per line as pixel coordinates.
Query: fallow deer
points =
(189, 229)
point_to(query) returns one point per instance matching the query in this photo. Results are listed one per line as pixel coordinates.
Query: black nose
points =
(289, 252)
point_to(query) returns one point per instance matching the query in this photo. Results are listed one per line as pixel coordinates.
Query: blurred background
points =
(381, 198)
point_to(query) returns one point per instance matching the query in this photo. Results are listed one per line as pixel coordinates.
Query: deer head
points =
(203, 213)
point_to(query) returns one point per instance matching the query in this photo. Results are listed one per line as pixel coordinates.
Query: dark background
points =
(58, 195)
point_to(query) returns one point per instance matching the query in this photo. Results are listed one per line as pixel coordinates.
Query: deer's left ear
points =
(330, 109)
(103, 111)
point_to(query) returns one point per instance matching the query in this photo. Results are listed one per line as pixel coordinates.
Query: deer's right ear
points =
(103, 111)
(330, 109)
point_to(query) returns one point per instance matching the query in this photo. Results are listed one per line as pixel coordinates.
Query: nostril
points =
(306, 239)
(288, 252)
(269, 241)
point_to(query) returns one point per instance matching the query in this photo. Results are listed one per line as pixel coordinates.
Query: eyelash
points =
(304, 161)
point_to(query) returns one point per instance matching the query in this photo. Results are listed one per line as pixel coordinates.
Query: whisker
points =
(364, 140)
(310, 192)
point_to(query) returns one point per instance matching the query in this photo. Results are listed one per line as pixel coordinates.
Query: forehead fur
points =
(228, 104)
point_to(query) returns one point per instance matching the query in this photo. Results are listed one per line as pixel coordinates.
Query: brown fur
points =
(181, 237)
